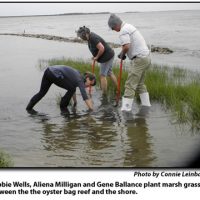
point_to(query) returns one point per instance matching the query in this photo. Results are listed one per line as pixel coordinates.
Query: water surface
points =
(101, 139)
(177, 30)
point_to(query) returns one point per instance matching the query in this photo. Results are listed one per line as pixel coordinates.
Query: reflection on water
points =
(103, 138)
(140, 153)
(108, 138)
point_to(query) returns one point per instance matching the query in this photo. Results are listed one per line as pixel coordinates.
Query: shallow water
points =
(104, 138)
(177, 30)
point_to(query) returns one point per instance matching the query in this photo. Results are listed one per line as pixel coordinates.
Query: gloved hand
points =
(121, 56)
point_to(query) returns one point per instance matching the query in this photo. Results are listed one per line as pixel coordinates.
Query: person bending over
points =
(67, 78)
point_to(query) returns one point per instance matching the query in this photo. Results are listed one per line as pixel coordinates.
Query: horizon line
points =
(92, 13)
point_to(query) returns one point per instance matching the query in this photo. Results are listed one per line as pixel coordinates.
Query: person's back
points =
(72, 76)
(108, 53)
(68, 78)
(138, 45)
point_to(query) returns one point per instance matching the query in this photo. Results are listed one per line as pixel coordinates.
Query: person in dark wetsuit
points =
(66, 78)
(102, 53)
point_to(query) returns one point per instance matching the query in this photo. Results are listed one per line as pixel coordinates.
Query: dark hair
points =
(82, 31)
(90, 76)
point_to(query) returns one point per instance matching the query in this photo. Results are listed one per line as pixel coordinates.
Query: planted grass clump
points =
(5, 160)
(176, 89)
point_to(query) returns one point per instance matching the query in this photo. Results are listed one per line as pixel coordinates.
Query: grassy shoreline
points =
(176, 89)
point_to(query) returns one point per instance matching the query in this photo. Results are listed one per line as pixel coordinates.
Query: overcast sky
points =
(20, 9)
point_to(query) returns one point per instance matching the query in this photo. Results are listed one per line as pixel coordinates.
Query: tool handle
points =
(119, 82)
(93, 64)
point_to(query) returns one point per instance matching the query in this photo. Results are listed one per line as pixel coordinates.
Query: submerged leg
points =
(45, 85)
(103, 81)
(65, 101)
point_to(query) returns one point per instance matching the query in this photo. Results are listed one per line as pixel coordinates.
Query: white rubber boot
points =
(126, 104)
(144, 97)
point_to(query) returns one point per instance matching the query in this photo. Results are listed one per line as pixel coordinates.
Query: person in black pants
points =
(67, 78)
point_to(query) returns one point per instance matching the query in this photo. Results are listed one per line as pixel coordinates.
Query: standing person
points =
(135, 47)
(102, 53)
(66, 78)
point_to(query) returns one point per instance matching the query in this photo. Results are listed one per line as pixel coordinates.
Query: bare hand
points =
(95, 58)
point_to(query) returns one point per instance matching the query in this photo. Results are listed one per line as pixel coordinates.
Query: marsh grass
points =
(176, 89)
(5, 160)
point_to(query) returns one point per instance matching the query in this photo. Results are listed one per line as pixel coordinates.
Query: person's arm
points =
(88, 101)
(89, 104)
(124, 50)
(125, 42)
(101, 50)
(75, 100)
